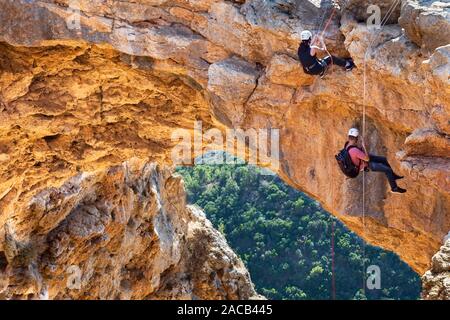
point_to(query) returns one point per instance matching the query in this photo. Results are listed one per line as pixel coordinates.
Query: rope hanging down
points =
(321, 32)
(383, 23)
(333, 11)
(333, 277)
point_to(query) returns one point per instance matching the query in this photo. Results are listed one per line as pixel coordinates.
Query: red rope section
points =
(333, 278)
(326, 28)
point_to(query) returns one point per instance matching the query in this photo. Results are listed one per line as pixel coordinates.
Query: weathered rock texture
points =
(82, 99)
(121, 233)
(436, 282)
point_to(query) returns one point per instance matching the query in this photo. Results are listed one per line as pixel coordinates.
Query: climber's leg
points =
(379, 159)
(344, 63)
(384, 160)
(381, 167)
(335, 60)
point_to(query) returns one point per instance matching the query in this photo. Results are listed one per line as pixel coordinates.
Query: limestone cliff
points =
(121, 233)
(86, 95)
(436, 282)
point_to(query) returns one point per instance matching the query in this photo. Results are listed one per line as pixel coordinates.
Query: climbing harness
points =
(311, 68)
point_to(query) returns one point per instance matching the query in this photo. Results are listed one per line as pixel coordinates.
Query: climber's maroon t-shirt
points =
(357, 155)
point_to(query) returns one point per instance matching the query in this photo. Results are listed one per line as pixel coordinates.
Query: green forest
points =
(284, 238)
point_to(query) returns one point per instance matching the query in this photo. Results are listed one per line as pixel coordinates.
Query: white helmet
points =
(306, 35)
(353, 132)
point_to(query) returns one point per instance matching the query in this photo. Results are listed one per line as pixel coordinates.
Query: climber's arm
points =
(364, 156)
(315, 50)
(317, 45)
(360, 154)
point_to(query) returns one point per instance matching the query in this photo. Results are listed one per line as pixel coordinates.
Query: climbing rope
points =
(333, 11)
(383, 23)
(330, 18)
(322, 31)
(333, 271)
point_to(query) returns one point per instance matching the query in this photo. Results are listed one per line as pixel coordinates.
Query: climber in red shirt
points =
(364, 161)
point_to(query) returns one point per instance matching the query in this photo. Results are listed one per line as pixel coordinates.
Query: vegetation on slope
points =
(284, 237)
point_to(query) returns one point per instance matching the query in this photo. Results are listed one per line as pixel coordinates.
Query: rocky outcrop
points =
(121, 233)
(426, 23)
(82, 99)
(231, 82)
(389, 10)
(436, 282)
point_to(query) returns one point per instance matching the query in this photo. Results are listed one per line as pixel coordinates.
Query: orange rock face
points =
(121, 233)
(82, 99)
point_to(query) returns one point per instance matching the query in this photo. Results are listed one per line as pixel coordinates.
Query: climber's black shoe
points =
(398, 190)
(350, 65)
(397, 177)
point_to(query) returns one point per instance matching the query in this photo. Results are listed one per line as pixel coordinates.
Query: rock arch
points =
(103, 99)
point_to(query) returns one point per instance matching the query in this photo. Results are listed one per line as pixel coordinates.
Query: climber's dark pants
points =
(381, 164)
(329, 60)
(323, 64)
